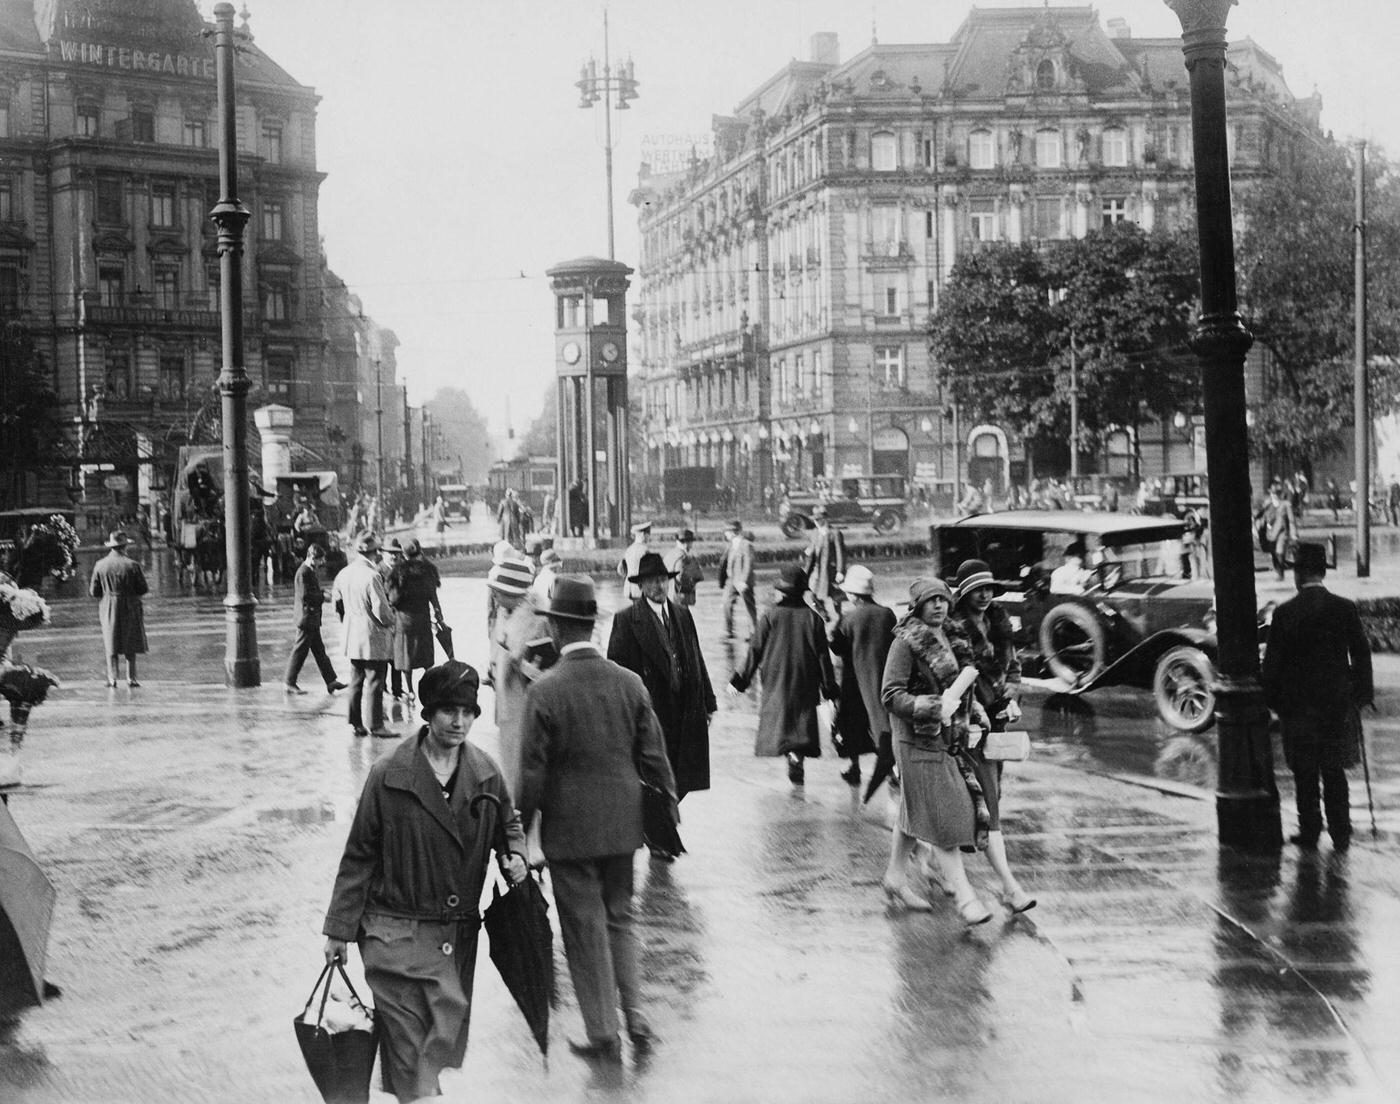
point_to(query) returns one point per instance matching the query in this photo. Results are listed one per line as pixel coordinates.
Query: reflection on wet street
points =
(193, 834)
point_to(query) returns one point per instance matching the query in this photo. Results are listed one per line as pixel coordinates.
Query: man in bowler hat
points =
(589, 732)
(1317, 675)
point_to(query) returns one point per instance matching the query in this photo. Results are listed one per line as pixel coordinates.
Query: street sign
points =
(117, 483)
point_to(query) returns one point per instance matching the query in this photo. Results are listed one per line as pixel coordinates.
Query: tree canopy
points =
(30, 436)
(465, 433)
(1118, 301)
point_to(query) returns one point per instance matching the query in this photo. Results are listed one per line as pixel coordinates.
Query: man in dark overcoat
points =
(1317, 675)
(789, 650)
(118, 583)
(656, 638)
(590, 736)
(307, 602)
(861, 637)
(825, 563)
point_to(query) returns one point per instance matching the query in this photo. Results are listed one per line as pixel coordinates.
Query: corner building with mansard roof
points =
(108, 170)
(786, 281)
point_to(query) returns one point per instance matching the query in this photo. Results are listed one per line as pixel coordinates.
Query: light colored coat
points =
(737, 565)
(367, 631)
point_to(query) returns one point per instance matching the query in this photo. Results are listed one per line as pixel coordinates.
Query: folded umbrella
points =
(522, 941)
(27, 900)
(444, 638)
(659, 820)
(884, 765)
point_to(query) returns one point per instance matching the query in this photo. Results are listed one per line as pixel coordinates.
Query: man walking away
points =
(656, 638)
(736, 578)
(366, 638)
(118, 583)
(589, 733)
(307, 600)
(1317, 675)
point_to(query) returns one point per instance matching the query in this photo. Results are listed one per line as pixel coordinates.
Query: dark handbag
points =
(660, 818)
(341, 1062)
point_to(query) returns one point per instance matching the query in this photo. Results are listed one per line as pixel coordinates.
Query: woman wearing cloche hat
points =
(413, 870)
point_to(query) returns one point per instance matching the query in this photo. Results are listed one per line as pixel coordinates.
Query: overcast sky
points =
(458, 160)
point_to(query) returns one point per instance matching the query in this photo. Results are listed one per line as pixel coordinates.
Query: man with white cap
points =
(366, 635)
(861, 637)
(632, 559)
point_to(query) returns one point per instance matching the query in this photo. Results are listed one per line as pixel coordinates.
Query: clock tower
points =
(590, 364)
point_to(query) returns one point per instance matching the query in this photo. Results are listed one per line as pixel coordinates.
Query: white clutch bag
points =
(1007, 747)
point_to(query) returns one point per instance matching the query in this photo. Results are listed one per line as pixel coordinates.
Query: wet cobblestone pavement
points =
(193, 834)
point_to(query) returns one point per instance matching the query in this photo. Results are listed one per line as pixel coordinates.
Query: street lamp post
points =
(423, 425)
(1361, 405)
(593, 88)
(1246, 800)
(379, 429)
(241, 666)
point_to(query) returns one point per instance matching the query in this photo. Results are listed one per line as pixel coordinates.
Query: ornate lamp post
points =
(241, 667)
(593, 88)
(1246, 799)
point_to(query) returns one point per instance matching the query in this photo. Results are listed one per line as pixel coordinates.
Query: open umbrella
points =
(26, 910)
(522, 942)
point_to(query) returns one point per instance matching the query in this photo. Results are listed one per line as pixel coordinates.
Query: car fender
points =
(1136, 666)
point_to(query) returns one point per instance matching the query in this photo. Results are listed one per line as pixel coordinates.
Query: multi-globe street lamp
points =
(593, 88)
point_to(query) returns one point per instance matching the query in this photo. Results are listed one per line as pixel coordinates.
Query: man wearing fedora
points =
(627, 567)
(366, 635)
(1317, 676)
(656, 638)
(825, 563)
(685, 569)
(589, 737)
(118, 583)
(307, 600)
(736, 577)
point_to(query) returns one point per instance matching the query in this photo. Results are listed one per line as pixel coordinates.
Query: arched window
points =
(1045, 75)
(981, 150)
(1048, 147)
(883, 156)
(1115, 146)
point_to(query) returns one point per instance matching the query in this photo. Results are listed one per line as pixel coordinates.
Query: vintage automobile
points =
(1177, 493)
(876, 500)
(1137, 622)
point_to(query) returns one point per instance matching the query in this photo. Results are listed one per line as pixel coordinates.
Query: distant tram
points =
(530, 477)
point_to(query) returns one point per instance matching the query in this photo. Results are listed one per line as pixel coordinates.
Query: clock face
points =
(572, 352)
(610, 351)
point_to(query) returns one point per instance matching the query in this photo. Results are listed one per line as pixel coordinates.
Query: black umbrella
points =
(26, 910)
(659, 820)
(522, 942)
(884, 765)
(444, 638)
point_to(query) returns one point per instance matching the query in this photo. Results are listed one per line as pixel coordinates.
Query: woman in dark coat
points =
(118, 583)
(992, 639)
(413, 871)
(673, 670)
(413, 593)
(788, 649)
(861, 637)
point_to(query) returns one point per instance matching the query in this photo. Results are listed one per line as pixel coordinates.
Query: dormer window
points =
(1045, 76)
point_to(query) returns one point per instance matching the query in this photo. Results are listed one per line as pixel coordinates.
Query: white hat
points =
(502, 551)
(641, 527)
(511, 577)
(859, 580)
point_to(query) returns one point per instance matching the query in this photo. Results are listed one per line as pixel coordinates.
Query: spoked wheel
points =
(1183, 686)
(887, 521)
(1074, 643)
(794, 526)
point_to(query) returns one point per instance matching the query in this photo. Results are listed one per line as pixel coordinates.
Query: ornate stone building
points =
(785, 283)
(108, 170)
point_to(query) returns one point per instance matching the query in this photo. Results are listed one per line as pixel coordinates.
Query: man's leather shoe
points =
(292, 689)
(606, 1050)
(384, 734)
(359, 731)
(1341, 842)
(1303, 840)
(332, 687)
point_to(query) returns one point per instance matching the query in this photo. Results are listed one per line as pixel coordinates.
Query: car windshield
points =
(1129, 562)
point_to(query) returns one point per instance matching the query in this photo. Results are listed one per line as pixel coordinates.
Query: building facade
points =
(108, 170)
(785, 283)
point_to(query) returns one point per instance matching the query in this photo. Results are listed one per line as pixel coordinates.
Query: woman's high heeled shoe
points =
(1018, 902)
(974, 912)
(905, 897)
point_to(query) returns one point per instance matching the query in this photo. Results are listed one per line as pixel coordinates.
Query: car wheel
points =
(1183, 686)
(1074, 643)
(887, 521)
(794, 525)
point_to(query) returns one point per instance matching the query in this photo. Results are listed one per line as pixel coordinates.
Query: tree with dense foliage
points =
(465, 433)
(1295, 255)
(31, 439)
(1118, 302)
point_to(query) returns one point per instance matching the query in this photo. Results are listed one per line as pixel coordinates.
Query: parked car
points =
(1138, 622)
(877, 500)
(1178, 493)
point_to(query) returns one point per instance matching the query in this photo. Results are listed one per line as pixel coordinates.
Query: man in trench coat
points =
(590, 736)
(656, 638)
(825, 563)
(367, 635)
(118, 582)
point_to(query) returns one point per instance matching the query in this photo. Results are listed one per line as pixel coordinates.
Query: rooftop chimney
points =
(1118, 28)
(826, 49)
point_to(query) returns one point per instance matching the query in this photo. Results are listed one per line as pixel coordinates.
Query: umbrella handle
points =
(500, 843)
